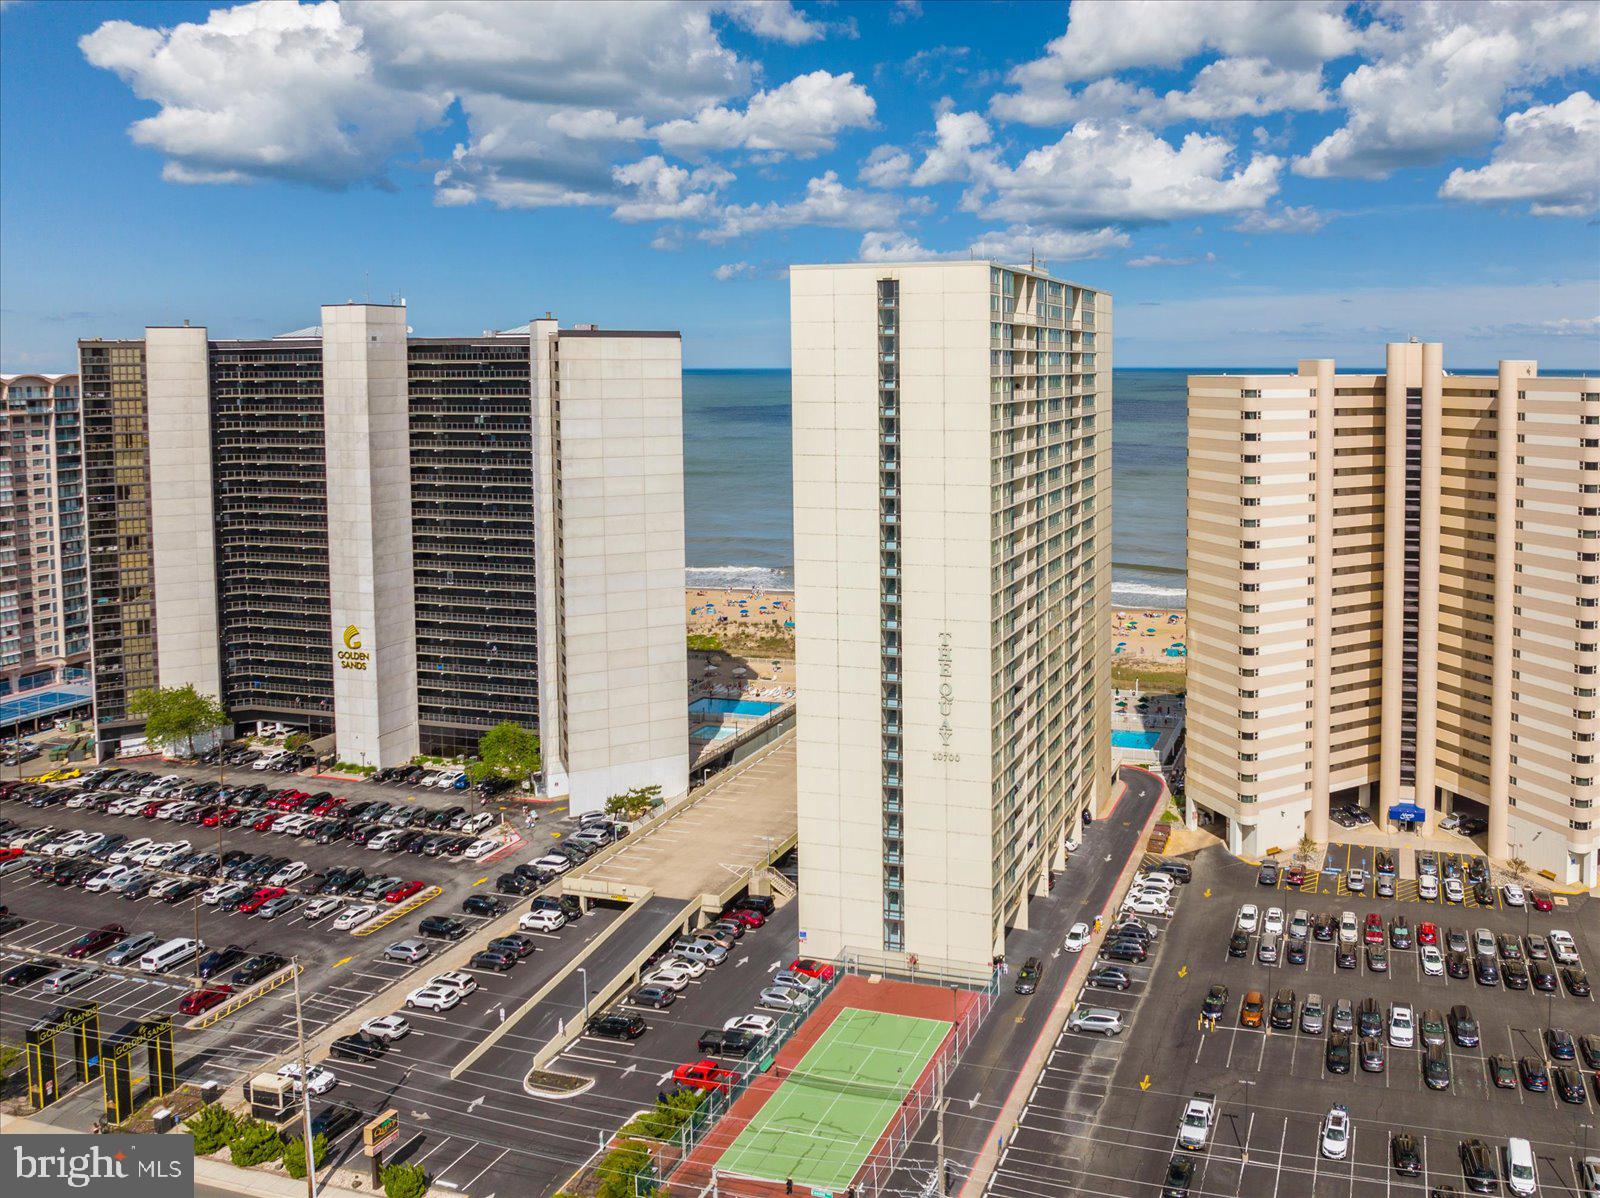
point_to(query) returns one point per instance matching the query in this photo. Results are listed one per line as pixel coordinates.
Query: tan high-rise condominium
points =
(1394, 602)
(952, 468)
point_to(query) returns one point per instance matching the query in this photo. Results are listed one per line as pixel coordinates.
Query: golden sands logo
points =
(352, 656)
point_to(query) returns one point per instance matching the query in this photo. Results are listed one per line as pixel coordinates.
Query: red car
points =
(265, 895)
(328, 806)
(93, 942)
(1295, 875)
(264, 824)
(813, 969)
(402, 892)
(1374, 933)
(197, 1002)
(1427, 933)
(750, 919)
(216, 815)
(1542, 900)
(704, 1075)
(153, 808)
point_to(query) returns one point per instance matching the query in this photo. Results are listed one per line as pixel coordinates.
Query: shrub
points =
(404, 1181)
(211, 1128)
(620, 1170)
(254, 1142)
(294, 1154)
(666, 1118)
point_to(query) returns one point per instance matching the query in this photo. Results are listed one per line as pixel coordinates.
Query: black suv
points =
(358, 1046)
(1028, 976)
(1283, 1006)
(1478, 1167)
(616, 1025)
(565, 903)
(1463, 1026)
(515, 883)
(442, 927)
(483, 904)
(1403, 1152)
(257, 968)
(735, 1042)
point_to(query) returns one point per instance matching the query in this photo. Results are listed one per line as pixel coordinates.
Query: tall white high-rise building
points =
(952, 473)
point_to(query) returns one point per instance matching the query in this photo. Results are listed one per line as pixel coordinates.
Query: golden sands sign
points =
(353, 656)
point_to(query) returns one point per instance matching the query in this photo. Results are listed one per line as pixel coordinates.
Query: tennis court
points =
(831, 1109)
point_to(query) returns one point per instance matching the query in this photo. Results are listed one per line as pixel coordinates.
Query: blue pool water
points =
(1122, 739)
(744, 707)
(707, 733)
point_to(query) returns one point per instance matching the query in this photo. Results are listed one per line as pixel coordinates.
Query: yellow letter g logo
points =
(352, 637)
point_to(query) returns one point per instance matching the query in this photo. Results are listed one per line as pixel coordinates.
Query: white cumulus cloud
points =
(265, 91)
(1125, 174)
(886, 166)
(1012, 244)
(801, 117)
(1548, 156)
(1439, 75)
(663, 191)
(826, 202)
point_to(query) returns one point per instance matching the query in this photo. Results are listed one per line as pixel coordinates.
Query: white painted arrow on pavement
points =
(629, 1070)
(664, 1078)
(774, 966)
(973, 1101)
(741, 961)
(476, 1103)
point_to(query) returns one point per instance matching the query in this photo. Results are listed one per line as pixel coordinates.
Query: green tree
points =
(620, 1170)
(404, 1181)
(1306, 848)
(254, 1142)
(631, 804)
(212, 1128)
(175, 715)
(294, 1154)
(507, 751)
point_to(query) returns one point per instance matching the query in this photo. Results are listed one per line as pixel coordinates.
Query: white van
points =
(173, 953)
(1520, 1176)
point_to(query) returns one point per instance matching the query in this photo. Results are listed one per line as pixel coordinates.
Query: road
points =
(991, 1067)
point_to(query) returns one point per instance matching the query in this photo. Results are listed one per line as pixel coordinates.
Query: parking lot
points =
(1104, 1117)
(343, 968)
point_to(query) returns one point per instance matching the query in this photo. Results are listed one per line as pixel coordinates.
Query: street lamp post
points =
(1244, 1153)
(584, 974)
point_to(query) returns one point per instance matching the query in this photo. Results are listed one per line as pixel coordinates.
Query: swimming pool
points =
(744, 707)
(1123, 739)
(707, 733)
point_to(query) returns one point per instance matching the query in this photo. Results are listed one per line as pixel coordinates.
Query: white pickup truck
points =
(1194, 1129)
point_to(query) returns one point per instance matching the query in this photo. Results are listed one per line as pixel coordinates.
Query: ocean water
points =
(738, 482)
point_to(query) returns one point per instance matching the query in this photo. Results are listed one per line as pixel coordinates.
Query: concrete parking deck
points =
(744, 820)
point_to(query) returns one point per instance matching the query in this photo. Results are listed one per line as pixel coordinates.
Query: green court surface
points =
(828, 1114)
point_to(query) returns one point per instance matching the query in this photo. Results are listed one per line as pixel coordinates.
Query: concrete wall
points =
(618, 470)
(184, 566)
(368, 449)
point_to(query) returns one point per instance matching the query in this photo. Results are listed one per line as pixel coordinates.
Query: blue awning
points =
(1407, 813)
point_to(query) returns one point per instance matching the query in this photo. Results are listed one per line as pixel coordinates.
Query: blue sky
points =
(1253, 184)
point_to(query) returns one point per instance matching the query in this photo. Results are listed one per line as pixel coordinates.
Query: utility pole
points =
(305, 1087)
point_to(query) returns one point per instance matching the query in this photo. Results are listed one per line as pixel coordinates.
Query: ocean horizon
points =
(738, 482)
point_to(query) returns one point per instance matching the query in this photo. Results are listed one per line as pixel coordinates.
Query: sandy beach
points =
(1149, 635)
(739, 613)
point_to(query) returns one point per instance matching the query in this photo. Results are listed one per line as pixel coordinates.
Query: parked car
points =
(616, 1025)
